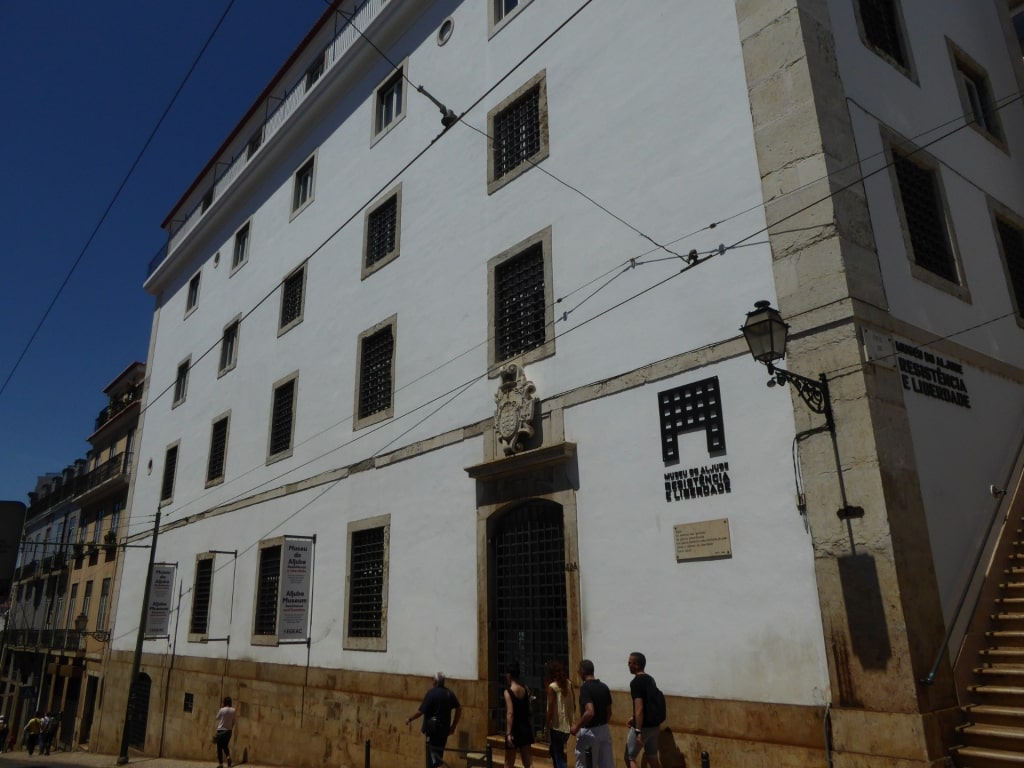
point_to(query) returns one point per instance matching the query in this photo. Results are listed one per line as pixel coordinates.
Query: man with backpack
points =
(648, 714)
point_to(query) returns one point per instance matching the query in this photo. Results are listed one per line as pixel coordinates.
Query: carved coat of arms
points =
(513, 412)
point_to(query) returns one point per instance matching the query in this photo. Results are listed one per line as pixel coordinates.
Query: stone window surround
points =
(999, 211)
(909, 69)
(226, 416)
(540, 81)
(497, 22)
(299, 271)
(368, 643)
(192, 296)
(962, 65)
(273, 457)
(891, 139)
(401, 73)
(164, 501)
(386, 413)
(308, 165)
(547, 349)
(201, 638)
(181, 382)
(224, 366)
(236, 262)
(277, 541)
(395, 191)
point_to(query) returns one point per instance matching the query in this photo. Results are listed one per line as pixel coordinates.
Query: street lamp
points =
(766, 332)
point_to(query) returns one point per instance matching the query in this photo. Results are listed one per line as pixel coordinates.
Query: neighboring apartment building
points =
(445, 373)
(62, 607)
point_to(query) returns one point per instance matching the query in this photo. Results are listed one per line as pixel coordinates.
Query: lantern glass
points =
(765, 332)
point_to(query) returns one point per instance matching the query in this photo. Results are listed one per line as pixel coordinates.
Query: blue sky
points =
(83, 84)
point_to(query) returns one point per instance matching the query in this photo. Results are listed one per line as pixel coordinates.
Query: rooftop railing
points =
(362, 17)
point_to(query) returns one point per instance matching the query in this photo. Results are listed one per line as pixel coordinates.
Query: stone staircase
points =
(990, 669)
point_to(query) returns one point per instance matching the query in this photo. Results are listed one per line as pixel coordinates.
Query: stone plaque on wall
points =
(705, 540)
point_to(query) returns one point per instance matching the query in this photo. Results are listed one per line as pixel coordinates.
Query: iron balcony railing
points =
(117, 405)
(57, 639)
(361, 18)
(116, 467)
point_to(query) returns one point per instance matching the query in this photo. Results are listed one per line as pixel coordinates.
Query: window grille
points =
(281, 420)
(926, 224)
(291, 298)
(375, 376)
(218, 447)
(200, 621)
(167, 487)
(382, 231)
(530, 603)
(1013, 252)
(519, 309)
(266, 591)
(882, 28)
(366, 583)
(517, 133)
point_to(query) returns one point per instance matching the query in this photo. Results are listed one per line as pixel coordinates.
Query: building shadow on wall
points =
(865, 612)
(669, 753)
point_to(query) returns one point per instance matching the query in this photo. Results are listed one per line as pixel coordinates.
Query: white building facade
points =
(445, 373)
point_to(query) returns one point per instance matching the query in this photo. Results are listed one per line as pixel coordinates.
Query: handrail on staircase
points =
(1000, 495)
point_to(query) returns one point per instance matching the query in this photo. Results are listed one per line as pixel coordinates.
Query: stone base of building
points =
(289, 715)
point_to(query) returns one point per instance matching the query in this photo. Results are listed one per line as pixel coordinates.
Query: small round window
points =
(445, 31)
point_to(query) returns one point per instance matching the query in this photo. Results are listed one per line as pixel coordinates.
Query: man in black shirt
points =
(643, 727)
(591, 730)
(438, 724)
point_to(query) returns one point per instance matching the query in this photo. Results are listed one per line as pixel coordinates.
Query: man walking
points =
(591, 730)
(438, 725)
(225, 725)
(643, 726)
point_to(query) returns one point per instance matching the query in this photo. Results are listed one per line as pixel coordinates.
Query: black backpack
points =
(654, 707)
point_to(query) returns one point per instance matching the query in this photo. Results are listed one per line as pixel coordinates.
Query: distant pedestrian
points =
(438, 723)
(560, 712)
(3, 733)
(32, 729)
(518, 728)
(49, 735)
(591, 730)
(44, 735)
(225, 725)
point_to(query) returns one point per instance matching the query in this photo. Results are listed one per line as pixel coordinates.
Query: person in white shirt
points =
(225, 725)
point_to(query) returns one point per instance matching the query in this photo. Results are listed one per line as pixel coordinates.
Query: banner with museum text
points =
(296, 587)
(161, 591)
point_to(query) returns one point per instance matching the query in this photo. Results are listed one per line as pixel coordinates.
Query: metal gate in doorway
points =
(528, 599)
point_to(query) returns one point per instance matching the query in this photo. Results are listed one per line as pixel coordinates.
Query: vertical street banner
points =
(158, 613)
(296, 583)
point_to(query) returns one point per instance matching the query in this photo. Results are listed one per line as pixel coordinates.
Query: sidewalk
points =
(95, 760)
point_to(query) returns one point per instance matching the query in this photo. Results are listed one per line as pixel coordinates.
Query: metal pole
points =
(122, 757)
(489, 756)
(366, 754)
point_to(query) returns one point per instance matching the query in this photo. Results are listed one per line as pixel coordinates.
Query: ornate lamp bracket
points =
(814, 393)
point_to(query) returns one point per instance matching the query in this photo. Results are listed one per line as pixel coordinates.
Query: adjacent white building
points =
(446, 372)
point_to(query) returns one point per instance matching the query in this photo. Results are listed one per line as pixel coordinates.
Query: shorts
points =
(647, 739)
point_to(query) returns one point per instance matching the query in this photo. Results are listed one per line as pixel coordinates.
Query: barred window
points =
(517, 133)
(925, 218)
(268, 580)
(202, 588)
(229, 347)
(291, 299)
(167, 486)
(218, 451)
(367, 591)
(519, 318)
(882, 28)
(1011, 238)
(241, 250)
(376, 373)
(282, 419)
(382, 231)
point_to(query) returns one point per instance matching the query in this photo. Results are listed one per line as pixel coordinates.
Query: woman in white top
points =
(561, 710)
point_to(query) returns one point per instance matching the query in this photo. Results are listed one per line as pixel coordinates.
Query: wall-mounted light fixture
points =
(766, 333)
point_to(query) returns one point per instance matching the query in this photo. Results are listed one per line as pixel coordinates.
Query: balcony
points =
(53, 639)
(110, 474)
(229, 169)
(117, 405)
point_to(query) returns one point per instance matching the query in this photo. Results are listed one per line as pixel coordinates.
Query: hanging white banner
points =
(161, 591)
(296, 582)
